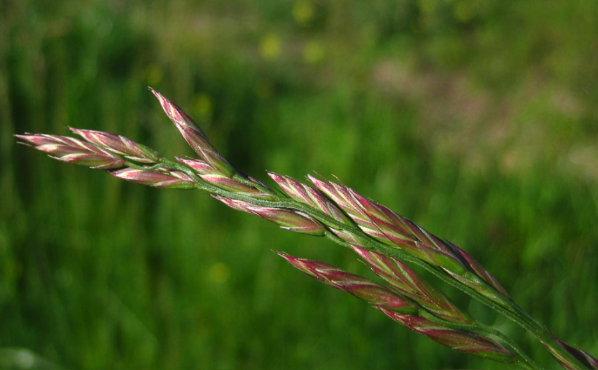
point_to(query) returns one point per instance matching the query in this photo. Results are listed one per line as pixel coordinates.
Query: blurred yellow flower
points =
(270, 47)
(313, 52)
(464, 11)
(219, 273)
(303, 11)
(153, 74)
(427, 6)
(202, 106)
(264, 89)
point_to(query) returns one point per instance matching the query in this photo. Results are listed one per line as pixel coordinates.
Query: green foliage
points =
(476, 119)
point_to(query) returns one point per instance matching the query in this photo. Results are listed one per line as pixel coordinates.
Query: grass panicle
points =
(385, 240)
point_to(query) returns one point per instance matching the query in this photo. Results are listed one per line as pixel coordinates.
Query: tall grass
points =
(481, 133)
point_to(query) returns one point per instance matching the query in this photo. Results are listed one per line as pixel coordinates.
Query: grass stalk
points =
(327, 209)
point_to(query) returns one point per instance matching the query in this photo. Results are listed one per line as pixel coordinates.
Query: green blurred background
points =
(477, 119)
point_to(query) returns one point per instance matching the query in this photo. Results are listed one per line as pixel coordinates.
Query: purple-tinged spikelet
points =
(194, 136)
(306, 194)
(71, 150)
(402, 278)
(120, 145)
(157, 179)
(286, 218)
(355, 285)
(215, 177)
(388, 227)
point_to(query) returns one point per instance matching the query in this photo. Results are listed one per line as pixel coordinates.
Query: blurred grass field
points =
(476, 119)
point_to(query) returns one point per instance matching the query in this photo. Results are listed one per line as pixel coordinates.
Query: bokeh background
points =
(477, 119)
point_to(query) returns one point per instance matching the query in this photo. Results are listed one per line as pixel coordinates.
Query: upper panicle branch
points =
(194, 136)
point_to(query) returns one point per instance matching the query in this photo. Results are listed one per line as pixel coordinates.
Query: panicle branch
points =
(401, 309)
(403, 279)
(386, 226)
